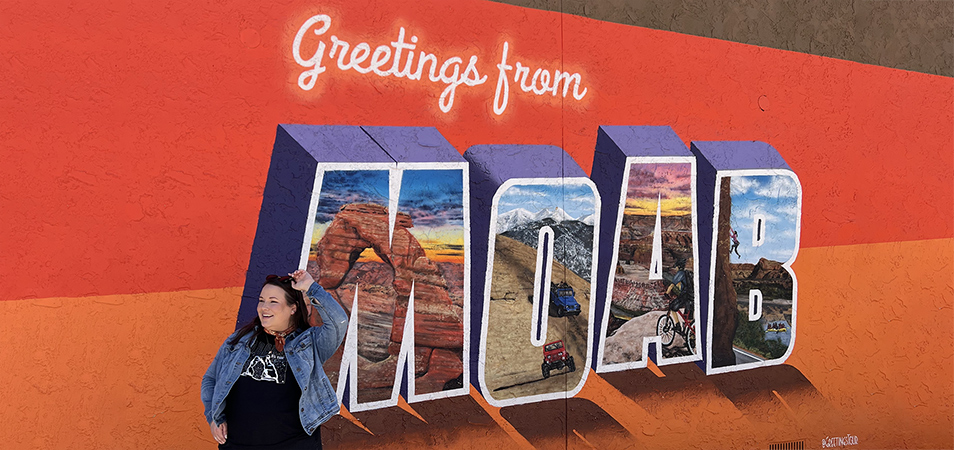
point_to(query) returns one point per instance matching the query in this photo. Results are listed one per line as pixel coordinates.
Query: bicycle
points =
(666, 328)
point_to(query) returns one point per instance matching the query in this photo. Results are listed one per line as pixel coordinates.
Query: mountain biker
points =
(680, 292)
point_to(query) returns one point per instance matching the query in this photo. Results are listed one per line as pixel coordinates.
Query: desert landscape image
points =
(513, 363)
(745, 262)
(773, 332)
(354, 249)
(658, 195)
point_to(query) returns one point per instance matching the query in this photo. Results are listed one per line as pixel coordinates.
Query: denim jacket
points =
(305, 353)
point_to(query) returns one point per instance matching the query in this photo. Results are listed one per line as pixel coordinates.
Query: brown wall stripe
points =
(915, 35)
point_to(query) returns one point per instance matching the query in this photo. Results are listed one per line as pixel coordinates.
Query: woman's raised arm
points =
(334, 319)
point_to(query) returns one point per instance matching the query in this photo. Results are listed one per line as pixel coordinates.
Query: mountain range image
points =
(573, 238)
(519, 217)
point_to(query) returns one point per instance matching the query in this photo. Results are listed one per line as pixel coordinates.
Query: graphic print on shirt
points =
(265, 363)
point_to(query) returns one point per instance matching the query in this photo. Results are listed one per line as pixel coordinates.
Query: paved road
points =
(744, 357)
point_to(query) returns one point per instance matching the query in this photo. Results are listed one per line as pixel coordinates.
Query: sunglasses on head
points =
(284, 279)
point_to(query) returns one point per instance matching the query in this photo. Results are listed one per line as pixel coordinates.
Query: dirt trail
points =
(512, 362)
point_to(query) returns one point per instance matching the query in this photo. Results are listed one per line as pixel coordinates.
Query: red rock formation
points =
(641, 249)
(454, 277)
(725, 309)
(376, 298)
(742, 270)
(383, 292)
(445, 366)
(636, 296)
(767, 269)
(356, 227)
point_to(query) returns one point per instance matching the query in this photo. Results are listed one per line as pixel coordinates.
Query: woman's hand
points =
(220, 433)
(303, 280)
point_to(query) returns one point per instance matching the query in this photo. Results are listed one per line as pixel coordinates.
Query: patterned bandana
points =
(280, 337)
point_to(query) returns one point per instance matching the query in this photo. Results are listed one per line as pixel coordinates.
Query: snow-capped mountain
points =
(555, 213)
(519, 217)
(513, 219)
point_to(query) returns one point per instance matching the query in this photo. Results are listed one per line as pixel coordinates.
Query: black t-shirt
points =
(261, 410)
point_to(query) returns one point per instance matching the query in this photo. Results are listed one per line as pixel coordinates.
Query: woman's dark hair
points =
(292, 297)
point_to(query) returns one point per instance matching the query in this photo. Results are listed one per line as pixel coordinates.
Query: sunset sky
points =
(666, 183)
(433, 198)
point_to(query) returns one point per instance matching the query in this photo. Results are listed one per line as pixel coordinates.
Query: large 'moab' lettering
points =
(650, 176)
(750, 215)
(381, 217)
(538, 224)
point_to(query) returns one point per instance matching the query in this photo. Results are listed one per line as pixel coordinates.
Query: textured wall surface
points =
(136, 141)
(910, 35)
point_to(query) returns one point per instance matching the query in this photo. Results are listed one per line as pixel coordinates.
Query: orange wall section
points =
(873, 358)
(875, 338)
(116, 371)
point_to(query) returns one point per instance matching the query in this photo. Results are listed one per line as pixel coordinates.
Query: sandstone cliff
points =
(383, 291)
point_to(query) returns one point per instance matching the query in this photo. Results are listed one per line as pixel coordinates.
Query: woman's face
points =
(274, 312)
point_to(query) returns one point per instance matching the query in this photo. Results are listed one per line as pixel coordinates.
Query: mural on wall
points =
(536, 326)
(652, 299)
(562, 283)
(540, 281)
(388, 234)
(755, 218)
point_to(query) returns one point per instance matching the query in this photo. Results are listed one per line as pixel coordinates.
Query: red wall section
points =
(137, 137)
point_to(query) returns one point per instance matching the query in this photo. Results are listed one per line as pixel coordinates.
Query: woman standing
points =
(266, 388)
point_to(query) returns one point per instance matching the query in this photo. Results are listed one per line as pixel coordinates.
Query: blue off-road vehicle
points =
(562, 300)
